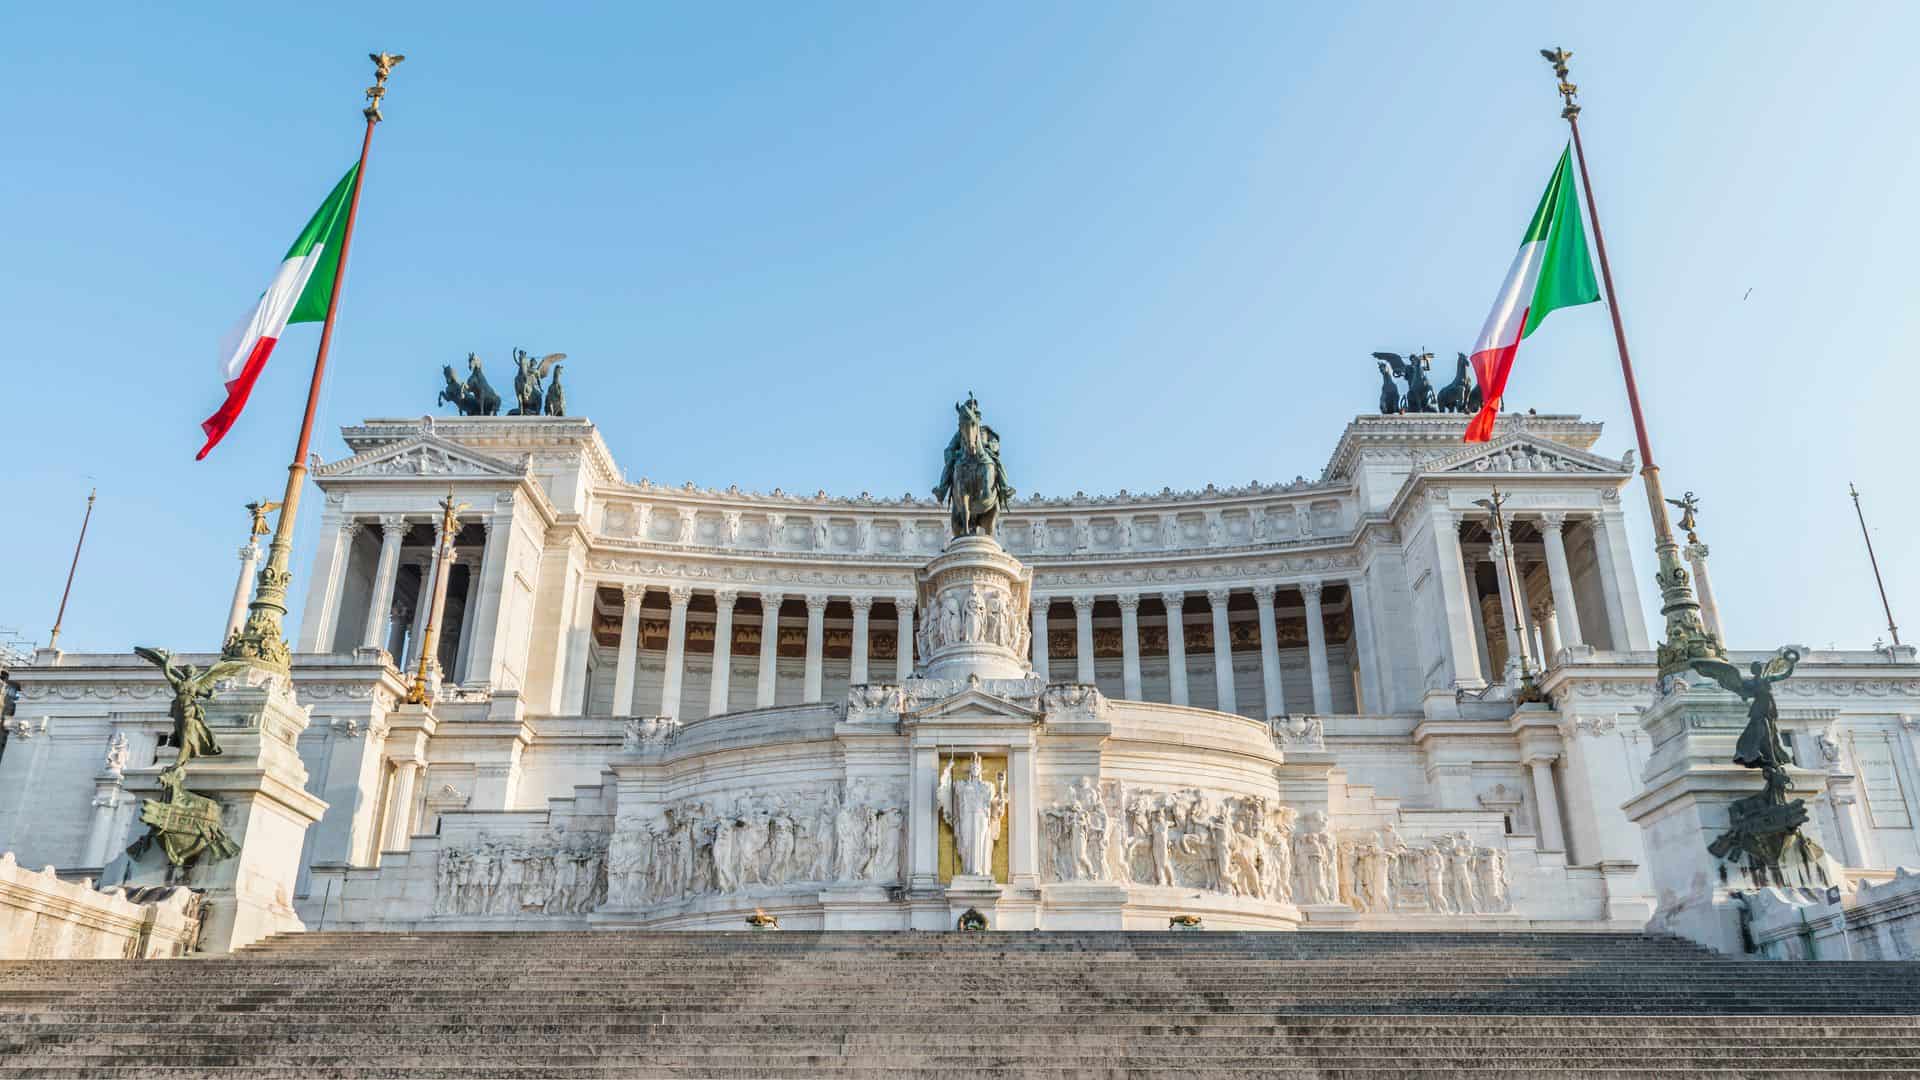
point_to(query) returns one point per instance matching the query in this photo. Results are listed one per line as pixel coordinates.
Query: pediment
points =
(422, 455)
(1523, 455)
(974, 705)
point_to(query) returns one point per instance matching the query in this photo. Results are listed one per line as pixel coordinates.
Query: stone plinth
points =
(260, 784)
(974, 603)
(1690, 784)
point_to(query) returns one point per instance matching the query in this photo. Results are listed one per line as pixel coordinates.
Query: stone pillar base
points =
(260, 784)
(1690, 784)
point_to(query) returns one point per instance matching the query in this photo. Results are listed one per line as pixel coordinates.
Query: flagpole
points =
(263, 638)
(1884, 606)
(53, 639)
(1687, 637)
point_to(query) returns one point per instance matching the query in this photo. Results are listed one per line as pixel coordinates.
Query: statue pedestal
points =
(1085, 905)
(1683, 806)
(976, 891)
(260, 784)
(973, 598)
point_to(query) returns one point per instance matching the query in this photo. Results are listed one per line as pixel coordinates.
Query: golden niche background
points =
(994, 768)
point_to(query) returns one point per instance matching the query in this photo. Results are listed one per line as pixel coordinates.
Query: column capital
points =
(393, 524)
(1129, 601)
(1542, 759)
(249, 552)
(772, 600)
(1695, 552)
(679, 595)
(1263, 593)
(726, 598)
(1553, 521)
(633, 594)
(903, 604)
(861, 604)
(816, 602)
(1311, 590)
(1174, 600)
(1083, 605)
(1218, 597)
(349, 528)
(1542, 610)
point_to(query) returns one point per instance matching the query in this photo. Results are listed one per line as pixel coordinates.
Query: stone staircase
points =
(606, 1004)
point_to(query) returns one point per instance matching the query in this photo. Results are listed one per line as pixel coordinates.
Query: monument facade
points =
(1275, 706)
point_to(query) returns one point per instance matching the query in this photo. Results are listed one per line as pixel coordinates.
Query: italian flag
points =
(299, 293)
(1551, 271)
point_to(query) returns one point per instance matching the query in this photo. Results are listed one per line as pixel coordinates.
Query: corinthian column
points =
(1317, 648)
(1269, 651)
(903, 634)
(1222, 651)
(1130, 645)
(1709, 607)
(1083, 638)
(1176, 646)
(242, 592)
(678, 596)
(629, 649)
(1566, 616)
(393, 529)
(857, 666)
(1038, 608)
(816, 646)
(723, 602)
(769, 649)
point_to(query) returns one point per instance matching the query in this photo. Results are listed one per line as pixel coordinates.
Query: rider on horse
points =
(958, 450)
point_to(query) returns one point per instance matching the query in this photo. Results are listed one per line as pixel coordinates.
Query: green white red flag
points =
(300, 291)
(1552, 270)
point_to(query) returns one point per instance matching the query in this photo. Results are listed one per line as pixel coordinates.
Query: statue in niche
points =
(972, 480)
(475, 397)
(975, 809)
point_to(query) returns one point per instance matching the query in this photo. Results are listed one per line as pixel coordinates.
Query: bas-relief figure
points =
(972, 479)
(697, 847)
(549, 875)
(1242, 845)
(974, 807)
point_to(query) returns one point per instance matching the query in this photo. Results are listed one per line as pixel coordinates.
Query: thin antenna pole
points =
(1888, 608)
(53, 639)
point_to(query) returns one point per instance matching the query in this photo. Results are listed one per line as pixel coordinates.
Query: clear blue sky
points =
(1162, 238)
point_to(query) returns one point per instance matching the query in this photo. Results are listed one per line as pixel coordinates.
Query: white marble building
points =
(1271, 706)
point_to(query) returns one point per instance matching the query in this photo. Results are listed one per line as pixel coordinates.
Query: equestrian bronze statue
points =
(972, 481)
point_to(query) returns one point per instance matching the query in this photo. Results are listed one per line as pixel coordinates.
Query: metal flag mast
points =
(263, 638)
(53, 638)
(1687, 638)
(1884, 606)
(420, 692)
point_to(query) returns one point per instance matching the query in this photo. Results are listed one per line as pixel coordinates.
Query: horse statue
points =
(1389, 393)
(556, 397)
(477, 397)
(972, 480)
(1462, 395)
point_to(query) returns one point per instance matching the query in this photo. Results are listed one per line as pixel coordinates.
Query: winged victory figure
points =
(192, 687)
(527, 380)
(1413, 368)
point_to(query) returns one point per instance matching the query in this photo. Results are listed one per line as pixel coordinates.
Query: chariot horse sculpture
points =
(972, 481)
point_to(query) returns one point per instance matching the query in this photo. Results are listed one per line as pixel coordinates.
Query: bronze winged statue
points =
(192, 687)
(1764, 824)
(527, 379)
(1413, 368)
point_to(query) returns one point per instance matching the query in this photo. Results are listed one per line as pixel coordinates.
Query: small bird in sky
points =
(1743, 297)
